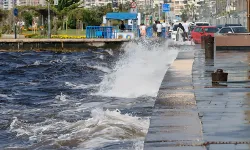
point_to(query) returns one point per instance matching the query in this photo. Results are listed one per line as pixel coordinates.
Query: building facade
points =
(9, 4)
(90, 3)
(241, 5)
(178, 6)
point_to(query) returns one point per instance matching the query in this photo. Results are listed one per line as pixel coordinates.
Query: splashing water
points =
(139, 71)
(101, 128)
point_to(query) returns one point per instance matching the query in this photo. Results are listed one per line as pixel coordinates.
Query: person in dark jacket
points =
(155, 29)
(181, 26)
(183, 31)
(122, 26)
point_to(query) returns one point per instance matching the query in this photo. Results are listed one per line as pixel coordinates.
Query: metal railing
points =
(110, 32)
(100, 32)
(149, 32)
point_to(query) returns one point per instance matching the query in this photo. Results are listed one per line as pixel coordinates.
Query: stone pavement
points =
(175, 121)
(192, 114)
(225, 109)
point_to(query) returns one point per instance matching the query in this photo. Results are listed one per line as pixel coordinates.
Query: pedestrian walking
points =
(180, 32)
(159, 29)
(143, 30)
(186, 28)
(155, 29)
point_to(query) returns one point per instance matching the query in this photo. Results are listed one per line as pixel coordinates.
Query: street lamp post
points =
(49, 28)
(159, 11)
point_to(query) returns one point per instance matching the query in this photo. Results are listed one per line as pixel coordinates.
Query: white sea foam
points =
(110, 52)
(5, 96)
(101, 68)
(36, 63)
(139, 71)
(61, 97)
(101, 128)
(79, 86)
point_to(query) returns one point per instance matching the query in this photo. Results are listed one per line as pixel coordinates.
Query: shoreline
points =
(59, 44)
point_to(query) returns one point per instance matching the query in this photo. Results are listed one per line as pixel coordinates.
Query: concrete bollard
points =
(203, 41)
(219, 75)
(209, 47)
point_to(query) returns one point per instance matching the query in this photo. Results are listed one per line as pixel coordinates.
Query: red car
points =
(202, 30)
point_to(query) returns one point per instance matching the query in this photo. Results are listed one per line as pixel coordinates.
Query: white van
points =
(202, 24)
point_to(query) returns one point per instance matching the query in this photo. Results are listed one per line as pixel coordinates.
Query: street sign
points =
(15, 12)
(165, 7)
(55, 2)
(133, 5)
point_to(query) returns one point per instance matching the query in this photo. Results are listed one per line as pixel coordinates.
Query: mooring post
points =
(209, 47)
(218, 76)
(203, 42)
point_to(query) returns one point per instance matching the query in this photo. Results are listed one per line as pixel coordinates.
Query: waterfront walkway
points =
(192, 114)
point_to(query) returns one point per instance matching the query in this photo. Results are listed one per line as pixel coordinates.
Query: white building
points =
(90, 3)
(8, 4)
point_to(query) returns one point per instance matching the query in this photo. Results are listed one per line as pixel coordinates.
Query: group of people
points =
(183, 28)
(157, 29)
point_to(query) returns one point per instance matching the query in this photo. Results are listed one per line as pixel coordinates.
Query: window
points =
(198, 29)
(202, 24)
(225, 30)
(239, 30)
(211, 30)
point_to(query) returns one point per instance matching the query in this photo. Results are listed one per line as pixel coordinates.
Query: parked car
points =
(232, 29)
(202, 24)
(191, 28)
(227, 25)
(202, 30)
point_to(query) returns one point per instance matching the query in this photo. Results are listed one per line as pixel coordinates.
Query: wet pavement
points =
(224, 109)
(191, 113)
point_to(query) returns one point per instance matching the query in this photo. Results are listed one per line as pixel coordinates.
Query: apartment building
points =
(34, 2)
(6, 4)
(145, 4)
(178, 6)
(90, 3)
(241, 5)
(221, 6)
(9, 4)
(230, 5)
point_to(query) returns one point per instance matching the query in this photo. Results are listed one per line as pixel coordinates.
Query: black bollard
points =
(219, 75)
(209, 47)
(203, 42)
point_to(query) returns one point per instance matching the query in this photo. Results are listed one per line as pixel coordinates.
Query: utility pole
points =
(248, 15)
(49, 28)
(159, 11)
(15, 13)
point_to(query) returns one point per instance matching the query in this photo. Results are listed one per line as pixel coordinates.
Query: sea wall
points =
(59, 44)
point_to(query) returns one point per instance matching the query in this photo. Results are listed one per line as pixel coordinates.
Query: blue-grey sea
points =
(90, 100)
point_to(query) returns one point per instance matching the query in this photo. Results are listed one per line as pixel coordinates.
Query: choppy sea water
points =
(91, 100)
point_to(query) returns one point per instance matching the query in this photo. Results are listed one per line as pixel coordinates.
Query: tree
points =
(28, 17)
(190, 10)
(62, 4)
(184, 15)
(3, 14)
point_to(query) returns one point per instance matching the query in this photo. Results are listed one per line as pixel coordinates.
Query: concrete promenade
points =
(192, 114)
